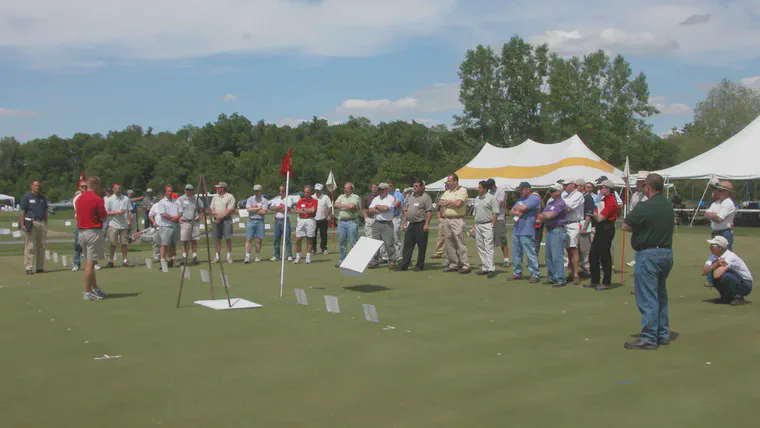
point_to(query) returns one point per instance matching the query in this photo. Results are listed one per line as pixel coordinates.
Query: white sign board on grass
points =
(243, 213)
(370, 313)
(331, 303)
(204, 276)
(301, 297)
(55, 257)
(68, 223)
(223, 304)
(148, 263)
(361, 254)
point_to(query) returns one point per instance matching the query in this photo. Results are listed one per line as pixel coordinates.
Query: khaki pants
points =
(484, 244)
(456, 250)
(368, 223)
(584, 249)
(34, 246)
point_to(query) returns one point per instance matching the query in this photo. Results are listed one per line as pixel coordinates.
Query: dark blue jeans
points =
(77, 248)
(730, 285)
(278, 226)
(650, 274)
(729, 235)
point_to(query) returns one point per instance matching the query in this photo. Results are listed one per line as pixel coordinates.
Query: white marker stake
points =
(267, 226)
(164, 266)
(17, 234)
(148, 263)
(331, 302)
(235, 219)
(68, 223)
(47, 254)
(204, 276)
(241, 225)
(202, 227)
(301, 296)
(187, 273)
(14, 225)
(55, 257)
(63, 261)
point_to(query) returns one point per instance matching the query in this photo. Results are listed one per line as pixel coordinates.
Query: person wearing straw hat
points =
(601, 257)
(553, 218)
(639, 196)
(722, 211)
(731, 276)
(222, 207)
(256, 206)
(651, 224)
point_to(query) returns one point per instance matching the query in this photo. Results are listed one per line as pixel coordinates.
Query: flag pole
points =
(627, 180)
(284, 241)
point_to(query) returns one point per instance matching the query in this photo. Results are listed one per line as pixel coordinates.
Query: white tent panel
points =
(734, 159)
(8, 198)
(539, 164)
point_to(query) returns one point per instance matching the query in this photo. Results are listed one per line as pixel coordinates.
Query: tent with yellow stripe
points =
(539, 164)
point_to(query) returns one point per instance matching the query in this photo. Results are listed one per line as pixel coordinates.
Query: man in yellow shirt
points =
(453, 206)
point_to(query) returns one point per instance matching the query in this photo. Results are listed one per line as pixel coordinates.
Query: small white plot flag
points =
(14, 225)
(204, 276)
(243, 213)
(164, 266)
(55, 257)
(68, 223)
(331, 302)
(301, 297)
(201, 227)
(235, 219)
(17, 234)
(134, 260)
(148, 263)
(370, 313)
(47, 254)
(187, 273)
(241, 225)
(5, 231)
(225, 280)
(63, 261)
(267, 226)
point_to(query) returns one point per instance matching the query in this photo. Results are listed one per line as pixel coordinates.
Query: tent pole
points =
(696, 211)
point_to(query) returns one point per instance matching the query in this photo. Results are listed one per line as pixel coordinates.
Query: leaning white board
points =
(222, 304)
(359, 257)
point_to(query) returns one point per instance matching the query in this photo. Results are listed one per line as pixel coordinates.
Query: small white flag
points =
(204, 276)
(68, 223)
(148, 263)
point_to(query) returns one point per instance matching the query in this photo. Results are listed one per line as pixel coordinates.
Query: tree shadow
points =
(366, 288)
(121, 295)
(673, 336)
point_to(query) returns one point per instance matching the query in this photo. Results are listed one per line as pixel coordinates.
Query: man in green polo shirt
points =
(349, 206)
(652, 225)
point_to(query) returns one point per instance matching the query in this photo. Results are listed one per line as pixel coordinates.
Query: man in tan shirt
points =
(453, 205)
(222, 208)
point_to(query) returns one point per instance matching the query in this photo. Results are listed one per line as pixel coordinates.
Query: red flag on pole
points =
(82, 177)
(286, 167)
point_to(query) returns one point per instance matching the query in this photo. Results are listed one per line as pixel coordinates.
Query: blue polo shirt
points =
(525, 225)
(399, 197)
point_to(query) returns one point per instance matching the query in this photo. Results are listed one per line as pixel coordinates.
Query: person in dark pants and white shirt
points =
(418, 210)
(486, 210)
(382, 208)
(652, 225)
(33, 221)
(731, 276)
(324, 212)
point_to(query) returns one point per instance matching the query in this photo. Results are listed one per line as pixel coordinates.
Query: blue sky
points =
(88, 66)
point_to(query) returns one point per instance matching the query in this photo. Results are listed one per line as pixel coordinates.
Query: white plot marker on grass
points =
(63, 261)
(331, 302)
(235, 219)
(107, 357)
(68, 224)
(164, 266)
(267, 226)
(148, 263)
(204, 276)
(17, 234)
(14, 225)
(47, 254)
(187, 273)
(370, 313)
(301, 297)
(241, 225)
(134, 260)
(55, 257)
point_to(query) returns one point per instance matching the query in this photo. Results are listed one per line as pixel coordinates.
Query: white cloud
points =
(609, 39)
(752, 82)
(4, 112)
(660, 102)
(696, 19)
(435, 98)
(229, 98)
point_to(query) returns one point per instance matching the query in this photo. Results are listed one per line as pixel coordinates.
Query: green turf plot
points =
(464, 351)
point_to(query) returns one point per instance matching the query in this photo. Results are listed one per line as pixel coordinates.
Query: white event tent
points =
(541, 165)
(733, 159)
(8, 198)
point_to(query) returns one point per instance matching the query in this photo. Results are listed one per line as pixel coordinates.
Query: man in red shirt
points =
(91, 213)
(605, 235)
(306, 208)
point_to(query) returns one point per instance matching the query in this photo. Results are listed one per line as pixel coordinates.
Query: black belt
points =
(417, 222)
(555, 227)
(655, 247)
(383, 221)
(485, 222)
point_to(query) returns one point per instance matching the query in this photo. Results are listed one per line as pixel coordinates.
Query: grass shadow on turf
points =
(366, 288)
(122, 295)
(673, 336)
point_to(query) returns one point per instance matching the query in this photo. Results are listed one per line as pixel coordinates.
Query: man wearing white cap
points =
(575, 209)
(639, 196)
(382, 208)
(324, 212)
(190, 209)
(222, 207)
(731, 276)
(722, 211)
(256, 206)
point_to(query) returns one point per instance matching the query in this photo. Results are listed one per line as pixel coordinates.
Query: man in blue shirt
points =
(554, 219)
(524, 214)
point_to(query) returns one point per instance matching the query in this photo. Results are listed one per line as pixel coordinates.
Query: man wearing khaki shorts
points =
(190, 211)
(574, 200)
(91, 214)
(119, 216)
(167, 218)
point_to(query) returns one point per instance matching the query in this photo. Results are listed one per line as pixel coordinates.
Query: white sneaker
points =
(274, 259)
(75, 268)
(229, 260)
(632, 263)
(215, 261)
(290, 259)
(257, 260)
(325, 252)
(297, 260)
(97, 267)
(247, 259)
(308, 259)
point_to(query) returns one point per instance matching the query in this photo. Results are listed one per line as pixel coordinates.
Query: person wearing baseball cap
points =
(722, 211)
(601, 257)
(191, 209)
(222, 207)
(639, 196)
(651, 227)
(524, 214)
(382, 208)
(256, 206)
(575, 205)
(731, 276)
(553, 217)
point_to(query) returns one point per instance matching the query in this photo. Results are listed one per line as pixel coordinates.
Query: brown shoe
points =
(516, 278)
(464, 271)
(533, 280)
(576, 280)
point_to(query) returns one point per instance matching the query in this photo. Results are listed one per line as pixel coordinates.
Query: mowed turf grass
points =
(465, 350)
